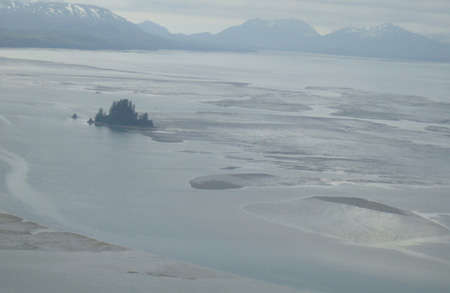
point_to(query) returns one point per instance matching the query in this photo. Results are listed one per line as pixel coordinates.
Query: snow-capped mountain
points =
(56, 10)
(386, 30)
(63, 25)
(54, 24)
(385, 41)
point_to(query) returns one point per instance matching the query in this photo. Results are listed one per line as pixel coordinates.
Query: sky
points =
(194, 16)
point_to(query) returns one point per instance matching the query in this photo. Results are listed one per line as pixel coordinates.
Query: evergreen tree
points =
(123, 113)
(100, 116)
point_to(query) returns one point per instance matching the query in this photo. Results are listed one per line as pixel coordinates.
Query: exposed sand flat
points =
(370, 140)
(35, 259)
(364, 203)
(354, 219)
(231, 181)
(160, 136)
(17, 234)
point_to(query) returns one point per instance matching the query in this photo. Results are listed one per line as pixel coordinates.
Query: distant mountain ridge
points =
(252, 35)
(259, 34)
(154, 29)
(58, 10)
(442, 38)
(54, 24)
(385, 41)
(63, 25)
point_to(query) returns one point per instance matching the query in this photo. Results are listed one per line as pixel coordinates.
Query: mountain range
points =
(62, 25)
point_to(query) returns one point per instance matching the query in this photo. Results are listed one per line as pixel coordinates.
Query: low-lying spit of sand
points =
(350, 218)
(231, 181)
(37, 259)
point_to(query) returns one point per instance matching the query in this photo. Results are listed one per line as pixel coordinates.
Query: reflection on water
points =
(243, 120)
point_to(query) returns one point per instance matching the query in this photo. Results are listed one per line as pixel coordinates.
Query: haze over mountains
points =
(62, 25)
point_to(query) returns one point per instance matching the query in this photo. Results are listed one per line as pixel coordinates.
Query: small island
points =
(122, 114)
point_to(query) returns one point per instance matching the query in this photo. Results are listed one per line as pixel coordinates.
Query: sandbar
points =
(37, 259)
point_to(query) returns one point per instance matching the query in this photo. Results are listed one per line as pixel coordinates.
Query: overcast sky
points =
(190, 16)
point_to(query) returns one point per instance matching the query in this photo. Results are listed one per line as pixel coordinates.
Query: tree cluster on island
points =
(122, 113)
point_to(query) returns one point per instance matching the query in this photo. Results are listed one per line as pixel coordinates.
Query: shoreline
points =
(121, 127)
(37, 259)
